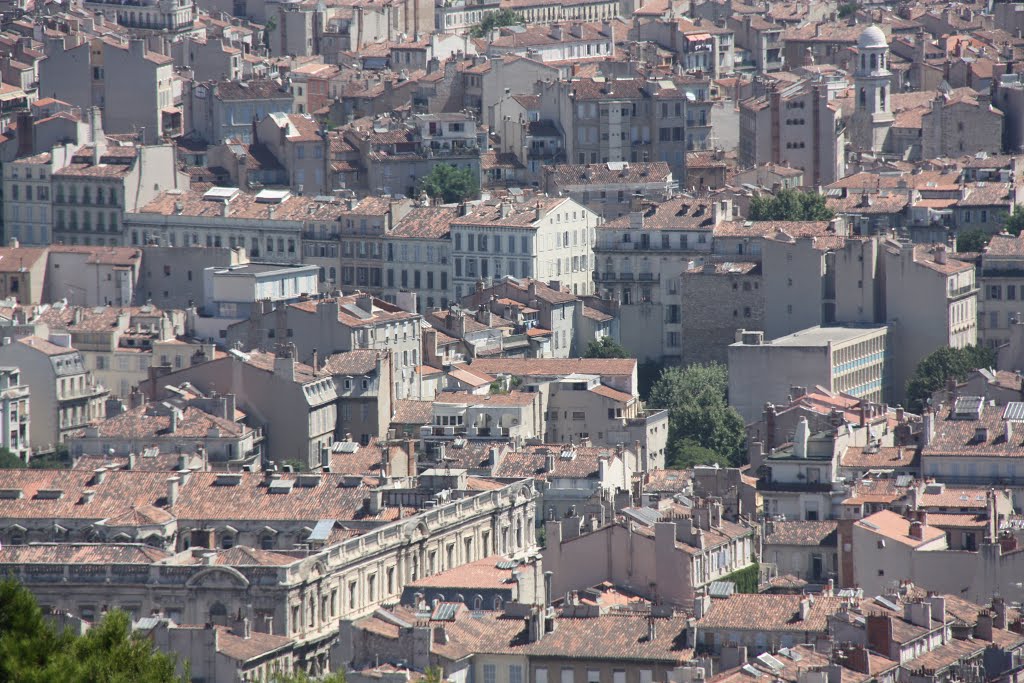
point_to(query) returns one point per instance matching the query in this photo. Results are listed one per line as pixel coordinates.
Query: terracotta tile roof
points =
(963, 437)
(512, 398)
(352, 363)
(433, 222)
(352, 315)
(45, 347)
(556, 367)
(678, 213)
(797, 532)
(621, 172)
(482, 574)
(771, 613)
(897, 528)
(945, 520)
(258, 644)
(13, 259)
(1000, 245)
(671, 481)
(613, 394)
(518, 215)
(794, 229)
(412, 412)
(885, 457)
(144, 423)
(81, 553)
(532, 462)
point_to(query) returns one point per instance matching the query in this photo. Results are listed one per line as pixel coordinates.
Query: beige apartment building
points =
(1001, 287)
(639, 259)
(547, 238)
(295, 404)
(855, 360)
(320, 327)
(65, 395)
(796, 126)
(16, 417)
(932, 300)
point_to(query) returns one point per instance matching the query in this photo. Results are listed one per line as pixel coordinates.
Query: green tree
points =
(686, 453)
(606, 347)
(699, 413)
(942, 365)
(847, 9)
(450, 184)
(972, 240)
(647, 373)
(9, 461)
(502, 17)
(790, 205)
(31, 651)
(433, 674)
(1013, 222)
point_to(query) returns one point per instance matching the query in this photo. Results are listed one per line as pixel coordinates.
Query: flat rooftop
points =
(819, 336)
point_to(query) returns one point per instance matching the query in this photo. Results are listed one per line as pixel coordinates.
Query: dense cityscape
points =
(510, 341)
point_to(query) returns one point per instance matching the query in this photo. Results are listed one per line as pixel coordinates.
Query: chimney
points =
(172, 491)
(805, 608)
(800, 438)
(917, 530)
(174, 421)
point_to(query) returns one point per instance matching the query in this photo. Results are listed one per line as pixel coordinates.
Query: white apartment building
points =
(14, 420)
(549, 238)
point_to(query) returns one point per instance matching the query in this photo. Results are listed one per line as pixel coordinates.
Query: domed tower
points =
(872, 80)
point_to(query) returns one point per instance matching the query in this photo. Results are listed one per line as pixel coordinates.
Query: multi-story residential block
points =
(269, 224)
(225, 109)
(294, 403)
(320, 327)
(93, 73)
(544, 308)
(758, 42)
(515, 417)
(590, 398)
(418, 255)
(92, 276)
(362, 379)
(639, 260)
(548, 238)
(1000, 285)
(91, 194)
(65, 396)
(182, 422)
(807, 550)
(630, 119)
(15, 401)
(714, 297)
(610, 190)
(116, 343)
(22, 273)
(297, 143)
(797, 125)
(209, 59)
(395, 152)
(553, 43)
(855, 360)
(684, 555)
(164, 16)
(933, 301)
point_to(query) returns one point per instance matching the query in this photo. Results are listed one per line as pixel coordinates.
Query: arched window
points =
(874, 62)
(227, 540)
(334, 274)
(267, 542)
(218, 614)
(881, 97)
(497, 603)
(863, 97)
(478, 602)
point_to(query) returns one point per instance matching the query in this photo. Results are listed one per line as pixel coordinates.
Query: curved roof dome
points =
(872, 36)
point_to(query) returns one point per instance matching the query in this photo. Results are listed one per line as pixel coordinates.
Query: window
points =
(515, 673)
(490, 673)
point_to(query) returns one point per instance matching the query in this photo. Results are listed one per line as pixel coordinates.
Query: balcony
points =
(962, 292)
(648, 277)
(794, 486)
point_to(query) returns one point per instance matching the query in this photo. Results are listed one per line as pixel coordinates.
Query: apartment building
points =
(639, 260)
(549, 238)
(65, 395)
(419, 247)
(683, 555)
(797, 125)
(1000, 284)
(22, 273)
(590, 398)
(933, 299)
(268, 224)
(610, 189)
(855, 360)
(630, 119)
(92, 193)
(320, 327)
(298, 144)
(92, 73)
(707, 327)
(170, 16)
(221, 110)
(15, 421)
(294, 404)
(116, 343)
